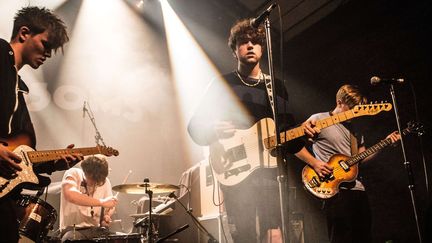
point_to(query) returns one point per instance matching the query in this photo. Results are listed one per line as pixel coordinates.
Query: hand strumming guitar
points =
(224, 129)
(8, 163)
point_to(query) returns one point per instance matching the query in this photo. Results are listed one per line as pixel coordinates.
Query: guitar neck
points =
(299, 131)
(375, 148)
(49, 155)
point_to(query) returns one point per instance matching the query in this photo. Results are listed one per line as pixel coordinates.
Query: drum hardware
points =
(37, 219)
(150, 221)
(151, 234)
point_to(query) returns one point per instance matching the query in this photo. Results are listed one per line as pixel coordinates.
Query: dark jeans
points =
(349, 217)
(252, 208)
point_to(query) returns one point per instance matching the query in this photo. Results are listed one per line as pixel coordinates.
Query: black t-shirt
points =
(228, 99)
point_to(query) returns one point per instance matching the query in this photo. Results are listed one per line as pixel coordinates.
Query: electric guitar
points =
(345, 168)
(235, 158)
(29, 157)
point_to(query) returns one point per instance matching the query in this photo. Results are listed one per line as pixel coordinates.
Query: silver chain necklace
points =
(248, 84)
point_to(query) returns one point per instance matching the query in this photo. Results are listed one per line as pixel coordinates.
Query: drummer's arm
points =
(108, 212)
(73, 195)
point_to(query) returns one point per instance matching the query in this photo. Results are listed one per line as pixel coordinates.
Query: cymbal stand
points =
(150, 233)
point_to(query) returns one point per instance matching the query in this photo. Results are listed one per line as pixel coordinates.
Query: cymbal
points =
(140, 188)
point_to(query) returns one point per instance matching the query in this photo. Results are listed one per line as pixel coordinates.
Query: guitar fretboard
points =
(48, 155)
(375, 148)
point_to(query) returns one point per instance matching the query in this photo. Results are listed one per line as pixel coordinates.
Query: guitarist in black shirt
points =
(36, 33)
(234, 102)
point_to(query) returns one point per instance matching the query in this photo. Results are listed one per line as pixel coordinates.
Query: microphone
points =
(258, 20)
(84, 109)
(377, 80)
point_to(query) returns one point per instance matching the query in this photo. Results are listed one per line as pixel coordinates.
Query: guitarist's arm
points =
(68, 160)
(320, 167)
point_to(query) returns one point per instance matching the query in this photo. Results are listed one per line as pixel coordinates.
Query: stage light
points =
(192, 70)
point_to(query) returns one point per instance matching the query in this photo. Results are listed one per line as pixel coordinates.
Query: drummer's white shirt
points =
(80, 216)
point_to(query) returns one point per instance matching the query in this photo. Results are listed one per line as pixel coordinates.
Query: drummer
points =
(85, 191)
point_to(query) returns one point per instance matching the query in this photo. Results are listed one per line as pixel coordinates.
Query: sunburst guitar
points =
(345, 168)
(234, 159)
(29, 157)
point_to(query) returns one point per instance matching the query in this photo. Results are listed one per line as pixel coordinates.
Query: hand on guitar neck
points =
(68, 159)
(13, 173)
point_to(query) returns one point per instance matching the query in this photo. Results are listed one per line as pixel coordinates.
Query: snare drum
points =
(37, 219)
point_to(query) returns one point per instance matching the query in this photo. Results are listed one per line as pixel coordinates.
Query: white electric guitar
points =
(235, 158)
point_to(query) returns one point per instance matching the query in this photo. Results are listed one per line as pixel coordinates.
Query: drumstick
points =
(115, 196)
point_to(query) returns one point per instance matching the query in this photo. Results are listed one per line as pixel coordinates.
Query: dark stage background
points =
(359, 40)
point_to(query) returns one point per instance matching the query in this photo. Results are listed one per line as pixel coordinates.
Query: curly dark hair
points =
(96, 168)
(38, 20)
(243, 31)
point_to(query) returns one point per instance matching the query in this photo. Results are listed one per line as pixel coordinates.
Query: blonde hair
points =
(350, 95)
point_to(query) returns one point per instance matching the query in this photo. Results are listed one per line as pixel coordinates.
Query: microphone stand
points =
(89, 112)
(178, 230)
(407, 164)
(195, 220)
(282, 173)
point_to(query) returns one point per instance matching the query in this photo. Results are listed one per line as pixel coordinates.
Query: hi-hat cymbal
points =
(140, 188)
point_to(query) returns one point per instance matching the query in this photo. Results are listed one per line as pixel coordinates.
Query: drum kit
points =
(38, 216)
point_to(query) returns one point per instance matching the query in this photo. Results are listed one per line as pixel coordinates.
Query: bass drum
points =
(37, 218)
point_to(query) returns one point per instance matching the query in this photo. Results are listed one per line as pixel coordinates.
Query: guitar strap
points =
(354, 146)
(269, 90)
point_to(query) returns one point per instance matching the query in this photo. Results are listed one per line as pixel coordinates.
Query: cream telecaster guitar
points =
(345, 168)
(235, 158)
(29, 157)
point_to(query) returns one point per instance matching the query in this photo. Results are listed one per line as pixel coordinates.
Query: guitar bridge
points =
(314, 182)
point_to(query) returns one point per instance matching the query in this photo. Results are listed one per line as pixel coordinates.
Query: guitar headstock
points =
(414, 127)
(371, 109)
(108, 151)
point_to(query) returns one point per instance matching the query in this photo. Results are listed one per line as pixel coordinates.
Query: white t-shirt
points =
(80, 216)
